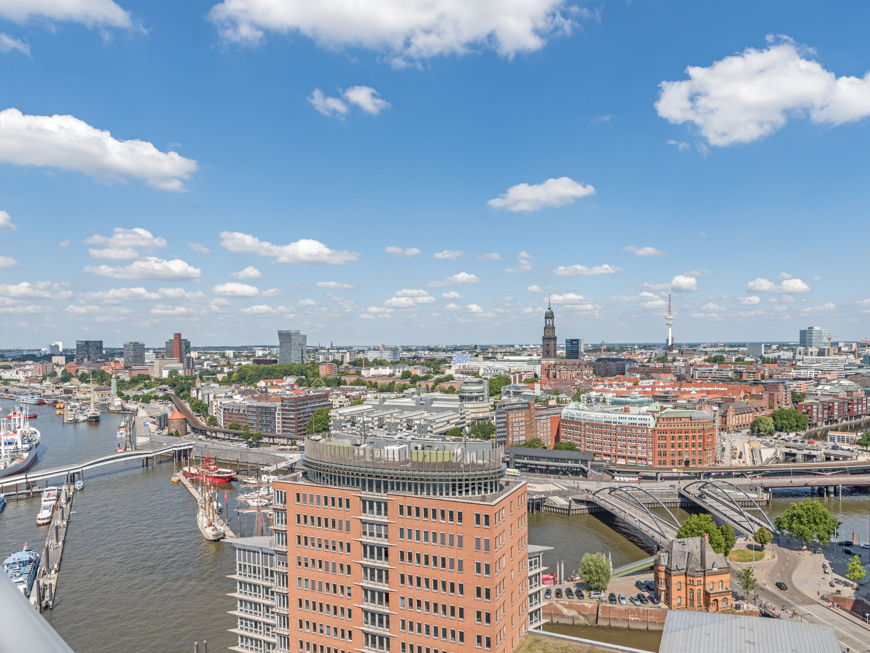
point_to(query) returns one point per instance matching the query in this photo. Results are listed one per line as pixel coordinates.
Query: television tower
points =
(669, 322)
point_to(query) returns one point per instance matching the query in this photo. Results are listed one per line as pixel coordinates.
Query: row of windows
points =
(327, 566)
(436, 538)
(432, 584)
(325, 630)
(322, 501)
(316, 521)
(325, 608)
(433, 514)
(426, 560)
(322, 544)
(324, 587)
(443, 609)
(312, 647)
(427, 630)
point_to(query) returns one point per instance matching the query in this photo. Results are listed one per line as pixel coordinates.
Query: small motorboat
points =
(260, 502)
(2, 501)
(79, 484)
(43, 517)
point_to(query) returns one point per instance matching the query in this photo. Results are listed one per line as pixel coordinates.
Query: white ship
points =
(17, 434)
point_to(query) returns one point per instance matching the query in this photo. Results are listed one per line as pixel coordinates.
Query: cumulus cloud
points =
(406, 30)
(821, 308)
(453, 307)
(265, 309)
(567, 298)
(448, 254)
(684, 283)
(199, 247)
(366, 98)
(238, 289)
(72, 144)
(524, 263)
(93, 13)
(149, 267)
(79, 309)
(124, 243)
(458, 279)
(305, 250)
(535, 289)
(409, 297)
(749, 95)
(751, 300)
(164, 309)
(491, 256)
(249, 272)
(335, 285)
(473, 308)
(328, 106)
(644, 251)
(119, 295)
(791, 285)
(405, 252)
(6, 222)
(38, 290)
(307, 302)
(7, 263)
(557, 191)
(9, 44)
(452, 294)
(578, 270)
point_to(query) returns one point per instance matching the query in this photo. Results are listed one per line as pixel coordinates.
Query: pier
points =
(196, 495)
(45, 586)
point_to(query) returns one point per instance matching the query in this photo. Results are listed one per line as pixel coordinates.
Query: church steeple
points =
(548, 342)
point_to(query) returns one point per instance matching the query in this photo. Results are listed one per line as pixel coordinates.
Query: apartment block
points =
(255, 619)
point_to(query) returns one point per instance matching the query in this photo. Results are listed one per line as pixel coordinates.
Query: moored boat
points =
(32, 400)
(47, 505)
(16, 463)
(208, 471)
(21, 567)
(210, 529)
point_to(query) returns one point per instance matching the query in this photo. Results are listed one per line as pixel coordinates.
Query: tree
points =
(578, 395)
(864, 440)
(234, 426)
(718, 358)
(763, 537)
(211, 421)
(595, 570)
(797, 397)
(762, 426)
(808, 520)
(496, 383)
(565, 446)
(318, 422)
(789, 420)
(729, 538)
(199, 407)
(455, 432)
(256, 437)
(482, 430)
(703, 524)
(534, 443)
(746, 579)
(854, 569)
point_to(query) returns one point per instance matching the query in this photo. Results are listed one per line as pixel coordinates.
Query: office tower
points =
(400, 546)
(572, 348)
(55, 348)
(548, 342)
(291, 346)
(815, 338)
(177, 347)
(89, 350)
(134, 353)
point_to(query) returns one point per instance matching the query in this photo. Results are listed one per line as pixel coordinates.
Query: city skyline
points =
(176, 168)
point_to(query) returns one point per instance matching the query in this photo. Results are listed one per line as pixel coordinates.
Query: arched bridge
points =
(730, 504)
(625, 503)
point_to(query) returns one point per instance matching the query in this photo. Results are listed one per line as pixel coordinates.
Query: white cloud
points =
(751, 300)
(9, 43)
(38, 290)
(448, 254)
(822, 308)
(149, 267)
(116, 254)
(366, 98)
(72, 144)
(265, 309)
(335, 285)
(305, 250)
(407, 30)
(249, 272)
(180, 293)
(64, 243)
(557, 191)
(328, 106)
(491, 256)
(452, 294)
(747, 96)
(452, 307)
(400, 302)
(199, 247)
(710, 306)
(307, 302)
(7, 263)
(473, 308)
(576, 270)
(120, 295)
(412, 292)
(88, 309)
(164, 309)
(6, 222)
(409, 297)
(642, 296)
(405, 252)
(567, 298)
(237, 289)
(698, 273)
(761, 284)
(644, 251)
(524, 263)
(535, 288)
(93, 13)
(682, 146)
(458, 279)
(684, 283)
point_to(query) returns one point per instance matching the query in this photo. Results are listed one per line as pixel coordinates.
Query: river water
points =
(137, 575)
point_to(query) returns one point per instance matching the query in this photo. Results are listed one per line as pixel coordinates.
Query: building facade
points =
(548, 342)
(572, 348)
(814, 337)
(689, 575)
(134, 353)
(291, 346)
(89, 351)
(254, 577)
(177, 347)
(400, 547)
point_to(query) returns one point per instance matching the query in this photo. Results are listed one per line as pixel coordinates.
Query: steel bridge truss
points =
(655, 520)
(715, 491)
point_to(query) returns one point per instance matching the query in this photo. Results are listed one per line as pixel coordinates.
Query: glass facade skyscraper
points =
(572, 348)
(291, 346)
(815, 338)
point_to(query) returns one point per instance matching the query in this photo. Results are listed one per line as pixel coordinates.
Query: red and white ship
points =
(208, 471)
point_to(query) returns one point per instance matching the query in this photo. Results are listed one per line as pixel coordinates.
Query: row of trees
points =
(722, 538)
(782, 420)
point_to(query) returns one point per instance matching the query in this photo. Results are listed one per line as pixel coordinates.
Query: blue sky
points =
(527, 144)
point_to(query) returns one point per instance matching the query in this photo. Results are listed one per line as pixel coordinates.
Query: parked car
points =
(569, 593)
(580, 594)
(622, 598)
(654, 599)
(650, 586)
(578, 587)
(596, 595)
(640, 584)
(558, 592)
(611, 597)
(548, 593)
(634, 600)
(781, 585)
(642, 598)
(848, 552)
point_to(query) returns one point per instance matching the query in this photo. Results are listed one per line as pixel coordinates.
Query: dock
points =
(196, 495)
(45, 587)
